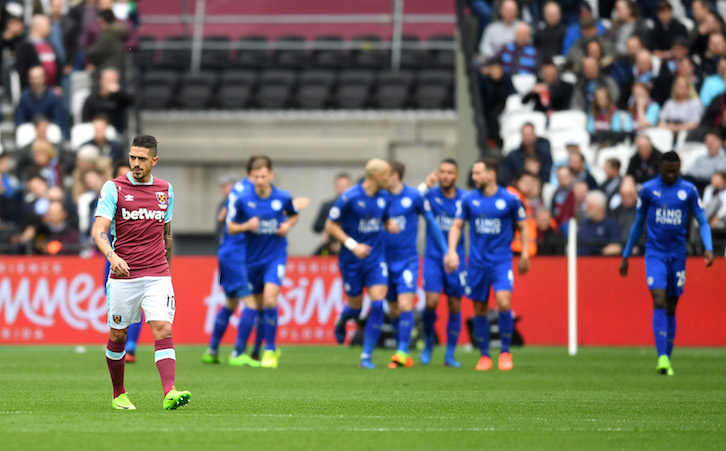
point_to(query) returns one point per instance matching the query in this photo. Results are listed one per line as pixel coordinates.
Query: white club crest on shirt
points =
(276, 205)
(381, 203)
(334, 213)
(501, 204)
(682, 194)
(406, 202)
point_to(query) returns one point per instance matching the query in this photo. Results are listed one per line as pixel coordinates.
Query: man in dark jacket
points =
(532, 146)
(644, 164)
(108, 100)
(38, 100)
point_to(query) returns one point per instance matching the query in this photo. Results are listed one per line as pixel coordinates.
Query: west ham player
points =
(265, 214)
(355, 220)
(492, 213)
(405, 205)
(134, 213)
(443, 201)
(664, 204)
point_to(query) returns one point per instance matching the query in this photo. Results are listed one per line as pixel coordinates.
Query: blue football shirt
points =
(263, 245)
(238, 190)
(361, 217)
(444, 211)
(492, 220)
(666, 209)
(404, 209)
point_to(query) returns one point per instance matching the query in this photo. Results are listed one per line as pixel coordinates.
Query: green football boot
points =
(664, 366)
(175, 399)
(244, 360)
(122, 402)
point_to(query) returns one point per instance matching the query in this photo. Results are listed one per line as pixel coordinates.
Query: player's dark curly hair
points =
(147, 142)
(671, 157)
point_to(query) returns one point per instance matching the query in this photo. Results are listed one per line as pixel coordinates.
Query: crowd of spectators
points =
(631, 67)
(52, 178)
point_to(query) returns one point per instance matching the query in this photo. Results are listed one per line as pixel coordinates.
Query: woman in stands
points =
(644, 111)
(683, 111)
(605, 121)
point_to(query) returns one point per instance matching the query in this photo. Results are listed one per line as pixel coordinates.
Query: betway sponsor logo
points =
(142, 213)
(78, 299)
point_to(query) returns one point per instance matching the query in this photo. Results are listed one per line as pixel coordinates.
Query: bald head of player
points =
(670, 167)
(377, 175)
(142, 157)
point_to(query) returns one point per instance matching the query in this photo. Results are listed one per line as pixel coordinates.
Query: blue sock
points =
(270, 315)
(259, 331)
(660, 331)
(220, 326)
(404, 331)
(453, 328)
(506, 328)
(428, 317)
(373, 328)
(133, 337)
(349, 313)
(481, 334)
(671, 333)
(244, 329)
(395, 324)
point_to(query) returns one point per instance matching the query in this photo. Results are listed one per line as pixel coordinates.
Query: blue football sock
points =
(259, 331)
(349, 313)
(244, 329)
(220, 326)
(671, 333)
(506, 328)
(395, 322)
(373, 328)
(481, 334)
(453, 329)
(428, 317)
(132, 337)
(404, 331)
(270, 315)
(660, 331)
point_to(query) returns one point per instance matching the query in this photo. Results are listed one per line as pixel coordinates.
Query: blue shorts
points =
(665, 272)
(363, 273)
(233, 272)
(273, 273)
(402, 277)
(480, 279)
(436, 279)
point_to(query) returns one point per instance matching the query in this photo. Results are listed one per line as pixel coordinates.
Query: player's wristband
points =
(350, 243)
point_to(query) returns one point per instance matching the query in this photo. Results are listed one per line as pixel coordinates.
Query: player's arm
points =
(704, 229)
(451, 261)
(237, 221)
(429, 183)
(433, 226)
(635, 231)
(334, 229)
(524, 238)
(168, 242)
(99, 232)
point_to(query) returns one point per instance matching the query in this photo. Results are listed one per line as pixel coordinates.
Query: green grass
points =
(57, 398)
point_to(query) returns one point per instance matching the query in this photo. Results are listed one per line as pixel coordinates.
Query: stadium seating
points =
(661, 138)
(157, 89)
(689, 153)
(393, 90)
(196, 90)
(236, 88)
(177, 56)
(82, 133)
(620, 152)
(314, 89)
(275, 88)
(354, 87)
(333, 59)
(25, 134)
(215, 58)
(442, 59)
(365, 56)
(567, 120)
(433, 89)
(252, 58)
(146, 54)
(413, 57)
(291, 59)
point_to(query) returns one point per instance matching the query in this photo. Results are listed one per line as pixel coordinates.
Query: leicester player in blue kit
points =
(663, 205)
(492, 213)
(265, 214)
(232, 278)
(356, 220)
(405, 205)
(443, 201)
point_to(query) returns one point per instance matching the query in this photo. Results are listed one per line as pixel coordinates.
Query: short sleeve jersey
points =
(491, 225)
(263, 245)
(238, 190)
(138, 212)
(404, 208)
(361, 217)
(666, 209)
(444, 211)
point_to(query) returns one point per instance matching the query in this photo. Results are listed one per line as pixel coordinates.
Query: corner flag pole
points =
(572, 287)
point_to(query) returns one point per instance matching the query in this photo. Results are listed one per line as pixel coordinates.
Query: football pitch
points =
(604, 398)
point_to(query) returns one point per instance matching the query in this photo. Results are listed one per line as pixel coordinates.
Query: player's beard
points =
(140, 175)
